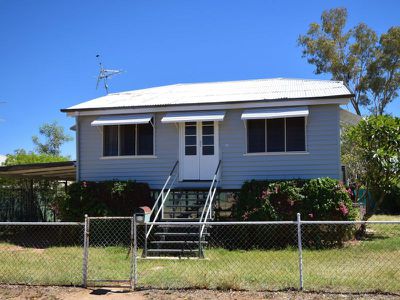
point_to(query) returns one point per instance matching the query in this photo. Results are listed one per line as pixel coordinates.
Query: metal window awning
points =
(122, 120)
(194, 116)
(275, 113)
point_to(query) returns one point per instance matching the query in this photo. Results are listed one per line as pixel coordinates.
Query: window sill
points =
(276, 153)
(129, 157)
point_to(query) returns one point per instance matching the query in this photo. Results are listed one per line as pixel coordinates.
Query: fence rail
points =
(340, 256)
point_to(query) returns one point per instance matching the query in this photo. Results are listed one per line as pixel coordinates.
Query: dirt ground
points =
(54, 293)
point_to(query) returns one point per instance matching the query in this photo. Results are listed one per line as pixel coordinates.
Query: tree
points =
(20, 157)
(383, 77)
(355, 57)
(41, 193)
(371, 150)
(54, 138)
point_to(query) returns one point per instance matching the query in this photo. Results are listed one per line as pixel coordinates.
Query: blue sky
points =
(48, 49)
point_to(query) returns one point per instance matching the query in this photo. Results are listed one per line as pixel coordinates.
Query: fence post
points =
(133, 269)
(85, 251)
(145, 240)
(300, 248)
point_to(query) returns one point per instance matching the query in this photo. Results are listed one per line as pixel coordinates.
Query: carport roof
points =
(64, 170)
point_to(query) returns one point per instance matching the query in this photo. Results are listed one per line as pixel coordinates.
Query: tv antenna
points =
(104, 74)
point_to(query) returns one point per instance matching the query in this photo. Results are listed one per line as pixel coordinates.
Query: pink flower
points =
(350, 192)
(311, 215)
(343, 209)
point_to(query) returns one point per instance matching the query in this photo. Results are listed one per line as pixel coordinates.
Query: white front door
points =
(199, 150)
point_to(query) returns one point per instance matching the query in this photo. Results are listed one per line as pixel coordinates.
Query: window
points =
(256, 136)
(208, 138)
(128, 140)
(145, 139)
(276, 135)
(190, 138)
(127, 136)
(295, 134)
(110, 140)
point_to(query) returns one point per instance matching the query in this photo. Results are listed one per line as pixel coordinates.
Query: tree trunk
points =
(368, 214)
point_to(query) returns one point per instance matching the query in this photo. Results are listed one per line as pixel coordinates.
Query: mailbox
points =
(142, 214)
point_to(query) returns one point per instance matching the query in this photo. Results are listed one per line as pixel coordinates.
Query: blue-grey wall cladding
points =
(322, 157)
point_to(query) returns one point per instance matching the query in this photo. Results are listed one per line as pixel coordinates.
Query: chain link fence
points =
(319, 256)
(41, 253)
(109, 251)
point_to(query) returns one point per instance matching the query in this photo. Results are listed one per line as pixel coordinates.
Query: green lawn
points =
(368, 265)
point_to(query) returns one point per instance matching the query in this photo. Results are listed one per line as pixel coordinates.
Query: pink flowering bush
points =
(327, 199)
(315, 199)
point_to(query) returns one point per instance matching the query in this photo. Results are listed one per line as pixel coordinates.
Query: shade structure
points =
(122, 120)
(193, 116)
(275, 113)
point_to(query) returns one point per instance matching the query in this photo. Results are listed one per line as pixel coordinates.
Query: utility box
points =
(142, 214)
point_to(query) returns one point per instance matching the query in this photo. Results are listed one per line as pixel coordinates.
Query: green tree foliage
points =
(355, 57)
(54, 136)
(383, 76)
(43, 193)
(371, 151)
(20, 156)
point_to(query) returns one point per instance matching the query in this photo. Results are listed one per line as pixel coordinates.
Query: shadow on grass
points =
(103, 291)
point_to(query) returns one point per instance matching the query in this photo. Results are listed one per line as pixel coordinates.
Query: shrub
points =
(269, 201)
(327, 199)
(315, 199)
(106, 198)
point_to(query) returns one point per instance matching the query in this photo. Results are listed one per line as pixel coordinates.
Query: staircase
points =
(168, 235)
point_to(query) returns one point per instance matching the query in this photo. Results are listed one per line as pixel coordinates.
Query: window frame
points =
(247, 153)
(134, 156)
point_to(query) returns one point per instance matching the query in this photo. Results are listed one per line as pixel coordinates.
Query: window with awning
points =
(127, 135)
(276, 129)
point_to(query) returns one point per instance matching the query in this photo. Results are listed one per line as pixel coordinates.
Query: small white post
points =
(132, 251)
(85, 252)
(135, 268)
(300, 248)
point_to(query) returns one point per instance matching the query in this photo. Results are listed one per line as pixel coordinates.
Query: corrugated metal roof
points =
(219, 92)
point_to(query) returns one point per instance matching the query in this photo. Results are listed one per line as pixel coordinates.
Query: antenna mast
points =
(104, 74)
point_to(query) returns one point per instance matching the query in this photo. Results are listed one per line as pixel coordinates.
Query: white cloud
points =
(2, 159)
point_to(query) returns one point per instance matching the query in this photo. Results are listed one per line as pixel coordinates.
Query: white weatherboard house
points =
(187, 140)
(259, 129)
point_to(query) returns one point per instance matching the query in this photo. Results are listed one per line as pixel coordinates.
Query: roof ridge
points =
(225, 81)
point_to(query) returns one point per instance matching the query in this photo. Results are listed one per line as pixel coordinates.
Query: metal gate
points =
(108, 253)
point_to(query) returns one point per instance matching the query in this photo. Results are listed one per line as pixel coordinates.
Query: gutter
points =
(67, 110)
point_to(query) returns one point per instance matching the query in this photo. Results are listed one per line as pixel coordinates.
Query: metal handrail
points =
(209, 200)
(214, 182)
(163, 188)
(162, 198)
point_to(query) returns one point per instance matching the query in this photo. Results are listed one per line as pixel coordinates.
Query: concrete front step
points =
(180, 233)
(178, 242)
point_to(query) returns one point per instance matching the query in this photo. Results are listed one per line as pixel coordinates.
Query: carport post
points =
(85, 252)
(300, 248)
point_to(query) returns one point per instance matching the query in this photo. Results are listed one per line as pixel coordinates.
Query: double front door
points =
(199, 150)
